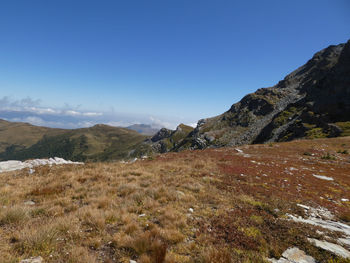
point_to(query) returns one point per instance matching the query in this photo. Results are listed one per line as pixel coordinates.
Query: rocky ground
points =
(280, 202)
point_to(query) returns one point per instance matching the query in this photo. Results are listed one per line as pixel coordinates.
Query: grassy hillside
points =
(100, 142)
(22, 135)
(217, 205)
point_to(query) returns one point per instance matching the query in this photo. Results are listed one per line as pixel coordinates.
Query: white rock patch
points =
(334, 248)
(327, 224)
(323, 177)
(8, 166)
(294, 255)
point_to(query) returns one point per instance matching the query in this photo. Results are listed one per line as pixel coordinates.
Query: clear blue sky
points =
(188, 58)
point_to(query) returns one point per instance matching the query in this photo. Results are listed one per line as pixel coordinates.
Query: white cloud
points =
(31, 110)
(92, 114)
(41, 110)
(72, 113)
(155, 122)
(193, 125)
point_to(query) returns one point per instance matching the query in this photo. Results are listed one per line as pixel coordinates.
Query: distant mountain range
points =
(311, 102)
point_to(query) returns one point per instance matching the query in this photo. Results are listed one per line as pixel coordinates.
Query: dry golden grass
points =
(180, 207)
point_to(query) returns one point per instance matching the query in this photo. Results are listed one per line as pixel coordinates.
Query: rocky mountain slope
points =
(21, 141)
(311, 102)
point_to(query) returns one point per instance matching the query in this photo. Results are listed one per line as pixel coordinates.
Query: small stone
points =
(191, 210)
(323, 177)
(30, 202)
(180, 193)
(32, 260)
(132, 261)
(294, 254)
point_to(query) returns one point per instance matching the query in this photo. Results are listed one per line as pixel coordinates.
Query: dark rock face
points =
(166, 140)
(161, 134)
(306, 103)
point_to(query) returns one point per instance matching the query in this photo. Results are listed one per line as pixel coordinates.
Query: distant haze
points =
(31, 111)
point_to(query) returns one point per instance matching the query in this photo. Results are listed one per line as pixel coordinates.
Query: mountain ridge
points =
(312, 101)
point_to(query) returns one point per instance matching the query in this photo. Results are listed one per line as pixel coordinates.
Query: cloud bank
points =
(70, 117)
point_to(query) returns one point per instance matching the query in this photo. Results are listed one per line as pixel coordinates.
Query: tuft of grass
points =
(13, 215)
(343, 151)
(37, 241)
(345, 126)
(80, 254)
(219, 255)
(316, 133)
(328, 156)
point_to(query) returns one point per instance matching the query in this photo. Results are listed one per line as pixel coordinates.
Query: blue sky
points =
(164, 61)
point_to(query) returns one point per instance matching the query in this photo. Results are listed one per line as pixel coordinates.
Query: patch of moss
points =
(345, 126)
(257, 219)
(328, 157)
(287, 137)
(252, 232)
(283, 117)
(316, 133)
(309, 126)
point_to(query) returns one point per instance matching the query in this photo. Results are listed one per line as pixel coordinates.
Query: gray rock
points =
(209, 138)
(344, 241)
(161, 134)
(30, 202)
(32, 260)
(327, 224)
(7, 166)
(293, 255)
(323, 177)
(334, 248)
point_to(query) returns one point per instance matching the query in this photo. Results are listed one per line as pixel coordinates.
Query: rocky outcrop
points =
(333, 248)
(161, 134)
(309, 103)
(323, 218)
(294, 255)
(166, 140)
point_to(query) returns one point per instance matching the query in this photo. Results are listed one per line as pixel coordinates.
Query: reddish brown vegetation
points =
(113, 212)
